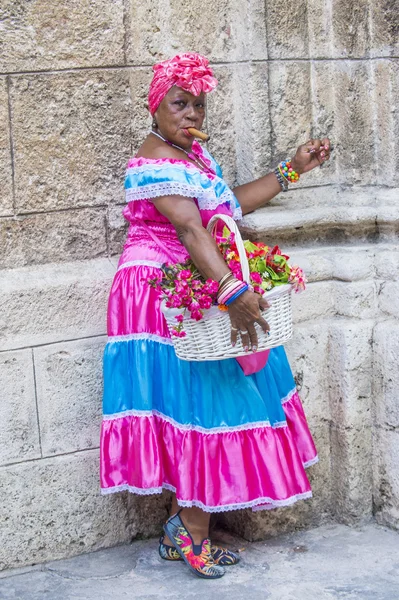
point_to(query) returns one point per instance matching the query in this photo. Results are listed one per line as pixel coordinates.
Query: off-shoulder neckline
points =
(140, 160)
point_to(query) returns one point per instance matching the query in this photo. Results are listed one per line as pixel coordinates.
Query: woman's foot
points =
(221, 556)
(197, 556)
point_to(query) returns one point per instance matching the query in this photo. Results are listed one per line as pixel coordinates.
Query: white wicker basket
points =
(209, 339)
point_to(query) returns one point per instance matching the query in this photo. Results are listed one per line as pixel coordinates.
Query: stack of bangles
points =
(230, 289)
(285, 174)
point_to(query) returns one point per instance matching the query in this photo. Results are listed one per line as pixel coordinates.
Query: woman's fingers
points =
(253, 338)
(234, 334)
(245, 339)
(264, 324)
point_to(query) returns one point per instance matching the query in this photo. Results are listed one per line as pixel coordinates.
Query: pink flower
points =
(210, 286)
(205, 301)
(196, 284)
(184, 274)
(179, 318)
(256, 277)
(197, 315)
(194, 305)
(298, 279)
(180, 334)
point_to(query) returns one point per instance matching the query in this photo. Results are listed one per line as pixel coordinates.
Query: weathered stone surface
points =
(308, 348)
(221, 31)
(71, 137)
(52, 237)
(6, 203)
(69, 394)
(354, 122)
(386, 477)
(319, 29)
(352, 478)
(290, 106)
(386, 375)
(316, 302)
(52, 509)
(350, 359)
(140, 119)
(252, 124)
(351, 28)
(72, 33)
(117, 229)
(357, 300)
(54, 302)
(19, 432)
(388, 297)
(287, 30)
(384, 28)
(386, 91)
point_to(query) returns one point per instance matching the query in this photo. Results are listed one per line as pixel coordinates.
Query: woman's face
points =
(178, 111)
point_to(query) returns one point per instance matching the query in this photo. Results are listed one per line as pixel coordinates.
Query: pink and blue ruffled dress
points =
(219, 439)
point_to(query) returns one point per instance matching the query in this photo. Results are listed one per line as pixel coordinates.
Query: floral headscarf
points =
(189, 71)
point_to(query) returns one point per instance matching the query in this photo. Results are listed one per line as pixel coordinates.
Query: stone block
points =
(350, 372)
(290, 106)
(386, 375)
(315, 302)
(52, 237)
(53, 509)
(264, 524)
(352, 477)
(386, 89)
(68, 150)
(384, 28)
(54, 302)
(6, 201)
(357, 299)
(308, 355)
(287, 30)
(319, 29)
(19, 432)
(354, 122)
(388, 298)
(140, 118)
(386, 477)
(252, 124)
(117, 229)
(222, 31)
(69, 395)
(350, 28)
(387, 262)
(43, 35)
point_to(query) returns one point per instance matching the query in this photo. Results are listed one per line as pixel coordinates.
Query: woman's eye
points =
(180, 102)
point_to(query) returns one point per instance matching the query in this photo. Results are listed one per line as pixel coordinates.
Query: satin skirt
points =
(219, 439)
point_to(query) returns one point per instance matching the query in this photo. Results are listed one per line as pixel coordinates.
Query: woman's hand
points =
(310, 155)
(244, 312)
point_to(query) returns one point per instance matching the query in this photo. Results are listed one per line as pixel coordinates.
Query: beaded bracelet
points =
(236, 295)
(288, 172)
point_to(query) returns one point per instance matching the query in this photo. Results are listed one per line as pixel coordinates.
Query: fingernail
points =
(322, 154)
(268, 332)
(312, 151)
(254, 348)
(246, 348)
(233, 344)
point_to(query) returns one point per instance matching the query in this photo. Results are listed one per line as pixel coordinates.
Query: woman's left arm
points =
(257, 193)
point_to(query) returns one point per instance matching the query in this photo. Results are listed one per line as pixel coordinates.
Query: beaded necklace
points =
(191, 155)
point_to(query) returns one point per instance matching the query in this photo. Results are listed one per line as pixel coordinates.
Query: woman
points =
(219, 440)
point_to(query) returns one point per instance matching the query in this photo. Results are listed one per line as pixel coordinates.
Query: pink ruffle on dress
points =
(219, 439)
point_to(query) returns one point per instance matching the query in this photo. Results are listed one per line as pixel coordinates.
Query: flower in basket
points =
(183, 287)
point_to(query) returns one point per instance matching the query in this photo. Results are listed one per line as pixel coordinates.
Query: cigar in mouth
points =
(198, 134)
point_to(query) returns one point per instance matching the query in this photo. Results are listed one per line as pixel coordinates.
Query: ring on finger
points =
(234, 329)
(243, 332)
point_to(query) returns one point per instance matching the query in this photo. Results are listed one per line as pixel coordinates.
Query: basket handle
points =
(231, 224)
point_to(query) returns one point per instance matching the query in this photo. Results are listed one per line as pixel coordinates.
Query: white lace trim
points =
(153, 337)
(310, 463)
(178, 166)
(211, 509)
(289, 396)
(206, 199)
(190, 427)
(139, 263)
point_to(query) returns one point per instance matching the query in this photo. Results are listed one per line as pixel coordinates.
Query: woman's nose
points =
(192, 113)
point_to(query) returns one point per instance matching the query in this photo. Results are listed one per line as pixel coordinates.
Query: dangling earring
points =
(154, 124)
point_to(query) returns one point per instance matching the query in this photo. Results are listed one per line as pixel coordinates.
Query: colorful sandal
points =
(197, 556)
(221, 556)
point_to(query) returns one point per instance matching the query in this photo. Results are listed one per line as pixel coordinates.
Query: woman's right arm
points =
(185, 217)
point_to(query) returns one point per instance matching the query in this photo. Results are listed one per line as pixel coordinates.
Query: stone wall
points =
(73, 82)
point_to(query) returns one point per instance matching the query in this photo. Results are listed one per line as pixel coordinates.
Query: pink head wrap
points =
(189, 71)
